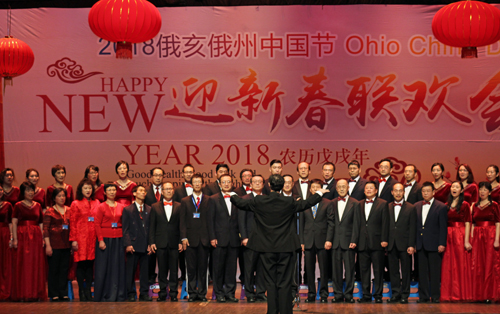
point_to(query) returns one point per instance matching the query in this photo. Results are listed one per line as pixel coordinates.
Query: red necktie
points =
(407, 185)
(382, 180)
(198, 201)
(165, 203)
(368, 202)
(426, 203)
(397, 204)
(304, 182)
(227, 196)
(189, 185)
(341, 199)
(157, 194)
(248, 188)
(140, 211)
(352, 180)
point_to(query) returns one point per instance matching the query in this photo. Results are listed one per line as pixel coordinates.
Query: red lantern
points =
(125, 22)
(467, 24)
(16, 58)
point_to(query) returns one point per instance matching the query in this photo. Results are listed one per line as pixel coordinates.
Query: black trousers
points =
(253, 274)
(366, 259)
(131, 267)
(58, 272)
(278, 272)
(225, 264)
(109, 283)
(85, 274)
(400, 283)
(196, 266)
(167, 265)
(310, 266)
(348, 258)
(429, 267)
(182, 264)
(152, 267)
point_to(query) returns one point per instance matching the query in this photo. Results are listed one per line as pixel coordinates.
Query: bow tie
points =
(352, 180)
(407, 185)
(189, 185)
(165, 203)
(247, 188)
(382, 180)
(426, 203)
(368, 202)
(304, 182)
(397, 204)
(325, 183)
(341, 199)
(227, 196)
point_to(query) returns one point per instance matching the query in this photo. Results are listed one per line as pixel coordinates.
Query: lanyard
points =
(194, 202)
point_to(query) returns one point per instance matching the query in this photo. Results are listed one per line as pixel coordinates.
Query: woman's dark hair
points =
(56, 192)
(30, 170)
(56, 168)
(470, 178)
(496, 171)
(487, 185)
(26, 186)
(118, 164)
(79, 189)
(460, 197)
(96, 169)
(440, 165)
(109, 184)
(4, 173)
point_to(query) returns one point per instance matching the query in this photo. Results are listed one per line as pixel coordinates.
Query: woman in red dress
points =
(464, 175)
(5, 247)
(10, 192)
(59, 173)
(492, 176)
(29, 263)
(83, 237)
(456, 278)
(124, 185)
(109, 283)
(485, 243)
(92, 173)
(56, 226)
(442, 188)
(33, 177)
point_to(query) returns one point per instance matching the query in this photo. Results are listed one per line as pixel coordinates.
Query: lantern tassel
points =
(123, 50)
(469, 52)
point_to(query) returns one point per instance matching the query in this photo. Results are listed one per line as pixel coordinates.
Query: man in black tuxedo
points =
(432, 228)
(275, 167)
(214, 187)
(288, 186)
(342, 237)
(195, 213)
(274, 237)
(246, 181)
(313, 227)
(225, 239)
(385, 182)
(413, 189)
(402, 232)
(154, 195)
(356, 182)
(329, 182)
(253, 273)
(135, 228)
(373, 237)
(165, 240)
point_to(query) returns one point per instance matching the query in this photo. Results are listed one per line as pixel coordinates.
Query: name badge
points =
(65, 227)
(114, 225)
(91, 219)
(196, 215)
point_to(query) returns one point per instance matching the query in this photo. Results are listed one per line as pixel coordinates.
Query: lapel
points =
(330, 186)
(413, 189)
(418, 207)
(348, 207)
(392, 212)
(431, 210)
(174, 211)
(222, 203)
(374, 207)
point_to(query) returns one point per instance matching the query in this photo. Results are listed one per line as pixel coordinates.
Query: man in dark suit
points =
(274, 237)
(225, 239)
(246, 181)
(165, 240)
(356, 182)
(313, 227)
(195, 213)
(373, 237)
(275, 167)
(342, 237)
(385, 182)
(402, 232)
(154, 195)
(288, 186)
(302, 185)
(214, 187)
(329, 182)
(432, 228)
(135, 228)
(253, 273)
(413, 189)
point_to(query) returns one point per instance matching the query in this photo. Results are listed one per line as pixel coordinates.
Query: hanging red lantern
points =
(467, 24)
(16, 58)
(125, 22)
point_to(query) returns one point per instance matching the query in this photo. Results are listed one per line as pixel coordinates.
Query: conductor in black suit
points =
(413, 189)
(329, 182)
(165, 240)
(153, 195)
(373, 237)
(385, 182)
(342, 237)
(274, 237)
(402, 224)
(356, 182)
(432, 228)
(135, 228)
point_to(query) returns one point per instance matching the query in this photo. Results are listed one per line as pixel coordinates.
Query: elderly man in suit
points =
(275, 238)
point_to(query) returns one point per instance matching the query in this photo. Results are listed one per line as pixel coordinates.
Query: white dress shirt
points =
(341, 206)
(425, 211)
(304, 187)
(189, 190)
(408, 189)
(327, 183)
(228, 203)
(382, 184)
(397, 209)
(168, 210)
(368, 208)
(352, 184)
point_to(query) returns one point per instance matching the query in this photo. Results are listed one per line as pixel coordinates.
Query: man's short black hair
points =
(276, 182)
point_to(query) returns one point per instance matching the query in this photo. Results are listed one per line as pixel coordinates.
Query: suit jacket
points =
(343, 232)
(134, 232)
(162, 232)
(433, 233)
(275, 216)
(180, 193)
(150, 196)
(246, 220)
(222, 226)
(296, 190)
(195, 229)
(267, 189)
(415, 194)
(403, 231)
(386, 194)
(313, 230)
(240, 191)
(333, 190)
(211, 188)
(375, 229)
(358, 192)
